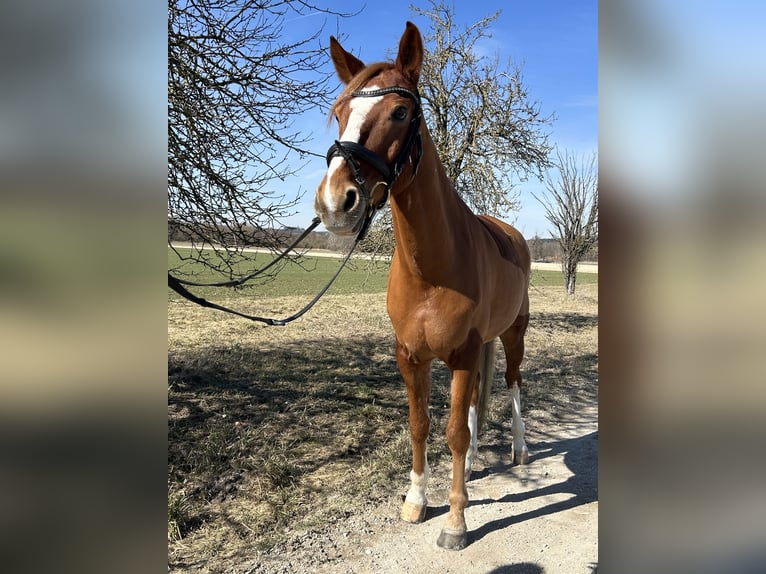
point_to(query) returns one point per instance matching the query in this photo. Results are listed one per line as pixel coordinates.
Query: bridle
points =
(350, 152)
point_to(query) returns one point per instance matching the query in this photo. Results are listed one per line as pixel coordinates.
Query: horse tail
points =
(486, 374)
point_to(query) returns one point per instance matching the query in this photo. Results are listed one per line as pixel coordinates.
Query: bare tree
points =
(488, 133)
(235, 88)
(536, 247)
(571, 205)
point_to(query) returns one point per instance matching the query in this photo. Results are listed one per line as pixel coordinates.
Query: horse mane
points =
(364, 76)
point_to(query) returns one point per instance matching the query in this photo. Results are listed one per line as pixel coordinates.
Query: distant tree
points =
(544, 248)
(236, 84)
(536, 245)
(488, 133)
(571, 205)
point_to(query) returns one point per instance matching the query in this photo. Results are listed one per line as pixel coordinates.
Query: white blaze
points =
(360, 109)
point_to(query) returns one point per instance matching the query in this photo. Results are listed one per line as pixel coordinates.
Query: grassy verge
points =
(308, 276)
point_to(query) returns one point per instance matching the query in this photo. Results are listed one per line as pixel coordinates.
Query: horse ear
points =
(346, 65)
(410, 58)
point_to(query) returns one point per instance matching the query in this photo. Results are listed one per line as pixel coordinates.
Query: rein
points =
(177, 284)
(350, 152)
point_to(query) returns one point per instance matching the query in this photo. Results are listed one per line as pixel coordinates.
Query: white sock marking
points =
(474, 446)
(517, 425)
(418, 482)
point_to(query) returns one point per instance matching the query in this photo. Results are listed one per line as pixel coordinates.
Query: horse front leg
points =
(454, 534)
(417, 377)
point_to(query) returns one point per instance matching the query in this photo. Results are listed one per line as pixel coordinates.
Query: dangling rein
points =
(178, 285)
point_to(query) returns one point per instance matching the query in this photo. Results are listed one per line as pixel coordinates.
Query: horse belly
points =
(502, 305)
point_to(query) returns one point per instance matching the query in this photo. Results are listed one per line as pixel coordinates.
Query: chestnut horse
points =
(457, 280)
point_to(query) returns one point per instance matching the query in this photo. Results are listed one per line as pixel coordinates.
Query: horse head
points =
(379, 117)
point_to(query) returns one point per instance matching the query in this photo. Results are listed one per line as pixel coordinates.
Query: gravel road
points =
(532, 519)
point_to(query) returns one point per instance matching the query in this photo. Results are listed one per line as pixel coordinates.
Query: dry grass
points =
(274, 431)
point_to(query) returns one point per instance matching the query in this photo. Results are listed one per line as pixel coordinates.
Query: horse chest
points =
(432, 324)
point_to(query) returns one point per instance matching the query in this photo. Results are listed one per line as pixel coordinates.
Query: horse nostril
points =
(350, 200)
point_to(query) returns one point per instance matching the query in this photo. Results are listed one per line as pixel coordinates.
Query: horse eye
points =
(400, 113)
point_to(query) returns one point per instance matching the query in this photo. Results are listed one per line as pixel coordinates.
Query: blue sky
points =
(555, 42)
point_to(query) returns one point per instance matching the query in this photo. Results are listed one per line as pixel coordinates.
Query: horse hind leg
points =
(513, 344)
(473, 427)
(479, 401)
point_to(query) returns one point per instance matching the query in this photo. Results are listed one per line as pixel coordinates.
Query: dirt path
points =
(538, 518)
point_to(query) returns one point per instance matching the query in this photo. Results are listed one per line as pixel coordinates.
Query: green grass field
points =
(314, 272)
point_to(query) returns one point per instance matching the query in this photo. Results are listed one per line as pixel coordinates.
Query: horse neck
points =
(429, 217)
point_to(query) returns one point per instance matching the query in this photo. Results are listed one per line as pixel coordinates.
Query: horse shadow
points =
(214, 388)
(528, 568)
(520, 568)
(580, 457)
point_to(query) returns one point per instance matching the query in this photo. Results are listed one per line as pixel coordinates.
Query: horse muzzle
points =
(342, 212)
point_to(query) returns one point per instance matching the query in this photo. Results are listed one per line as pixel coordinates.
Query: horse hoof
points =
(450, 539)
(521, 457)
(413, 513)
